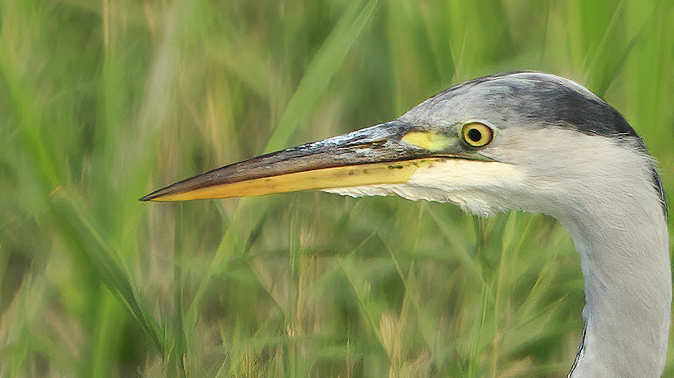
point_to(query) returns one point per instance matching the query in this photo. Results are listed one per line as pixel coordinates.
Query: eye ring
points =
(477, 134)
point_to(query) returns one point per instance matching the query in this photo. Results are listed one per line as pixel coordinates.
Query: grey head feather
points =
(550, 100)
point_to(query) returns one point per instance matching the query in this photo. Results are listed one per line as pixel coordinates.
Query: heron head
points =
(525, 141)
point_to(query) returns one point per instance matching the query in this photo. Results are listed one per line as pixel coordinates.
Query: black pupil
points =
(475, 135)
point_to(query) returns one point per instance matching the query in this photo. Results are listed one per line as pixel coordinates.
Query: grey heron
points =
(520, 141)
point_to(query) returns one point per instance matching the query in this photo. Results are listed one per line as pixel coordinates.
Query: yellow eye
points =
(477, 134)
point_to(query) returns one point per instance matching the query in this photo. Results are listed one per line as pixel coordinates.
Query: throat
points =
(628, 291)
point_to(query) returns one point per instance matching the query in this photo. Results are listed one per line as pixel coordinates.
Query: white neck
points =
(628, 289)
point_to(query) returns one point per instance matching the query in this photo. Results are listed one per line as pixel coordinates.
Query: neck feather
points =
(628, 288)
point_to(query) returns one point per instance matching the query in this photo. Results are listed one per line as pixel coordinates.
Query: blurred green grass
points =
(101, 102)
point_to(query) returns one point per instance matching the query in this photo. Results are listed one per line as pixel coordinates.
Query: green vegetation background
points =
(104, 101)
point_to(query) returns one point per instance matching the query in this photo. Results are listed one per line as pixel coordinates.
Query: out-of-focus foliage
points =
(103, 101)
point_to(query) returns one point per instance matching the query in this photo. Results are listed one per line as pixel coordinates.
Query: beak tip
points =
(146, 198)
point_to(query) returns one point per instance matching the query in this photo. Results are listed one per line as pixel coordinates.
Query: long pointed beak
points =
(384, 154)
